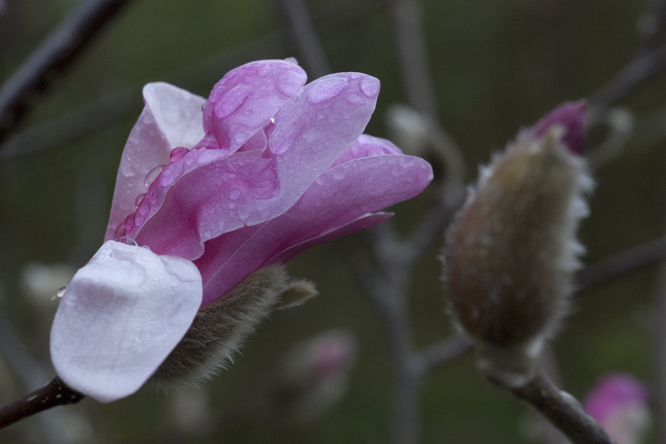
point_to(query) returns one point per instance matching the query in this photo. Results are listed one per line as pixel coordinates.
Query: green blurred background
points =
(497, 65)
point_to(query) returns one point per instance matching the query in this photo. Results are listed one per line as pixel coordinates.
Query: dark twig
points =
(650, 59)
(620, 263)
(53, 394)
(562, 410)
(442, 353)
(56, 53)
(305, 35)
(413, 56)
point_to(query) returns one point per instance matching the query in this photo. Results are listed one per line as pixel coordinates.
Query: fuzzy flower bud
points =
(512, 249)
(619, 403)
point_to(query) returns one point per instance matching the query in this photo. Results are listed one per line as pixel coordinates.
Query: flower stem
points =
(561, 409)
(53, 394)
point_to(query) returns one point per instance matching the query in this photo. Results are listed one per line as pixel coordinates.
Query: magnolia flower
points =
(619, 403)
(211, 197)
(512, 249)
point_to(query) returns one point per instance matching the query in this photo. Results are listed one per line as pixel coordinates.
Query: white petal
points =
(120, 318)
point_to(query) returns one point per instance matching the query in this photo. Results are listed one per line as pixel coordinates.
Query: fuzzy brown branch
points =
(56, 53)
(53, 394)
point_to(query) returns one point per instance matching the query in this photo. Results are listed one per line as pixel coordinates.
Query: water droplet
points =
(370, 86)
(208, 234)
(139, 199)
(231, 205)
(272, 119)
(139, 219)
(60, 293)
(152, 175)
(235, 194)
(120, 231)
(177, 153)
(143, 210)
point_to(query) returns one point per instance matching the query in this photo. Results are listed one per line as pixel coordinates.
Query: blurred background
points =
(495, 66)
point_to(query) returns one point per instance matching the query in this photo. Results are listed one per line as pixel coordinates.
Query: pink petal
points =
(120, 318)
(341, 195)
(170, 118)
(571, 116)
(245, 100)
(311, 131)
(359, 224)
(366, 146)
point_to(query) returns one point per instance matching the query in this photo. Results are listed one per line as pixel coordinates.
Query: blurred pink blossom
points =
(618, 402)
(207, 192)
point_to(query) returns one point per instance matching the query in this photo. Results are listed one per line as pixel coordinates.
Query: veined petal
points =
(363, 222)
(366, 146)
(311, 131)
(120, 318)
(340, 196)
(245, 100)
(171, 118)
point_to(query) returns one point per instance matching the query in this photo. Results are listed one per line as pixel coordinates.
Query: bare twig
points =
(650, 60)
(620, 263)
(413, 56)
(305, 35)
(442, 353)
(56, 53)
(53, 394)
(562, 410)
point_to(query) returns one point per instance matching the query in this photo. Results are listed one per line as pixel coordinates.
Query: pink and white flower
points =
(268, 169)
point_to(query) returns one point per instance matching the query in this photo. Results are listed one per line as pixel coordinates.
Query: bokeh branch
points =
(56, 53)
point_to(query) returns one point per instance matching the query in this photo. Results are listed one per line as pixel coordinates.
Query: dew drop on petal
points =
(370, 87)
(60, 293)
(139, 199)
(152, 175)
(120, 231)
(177, 153)
(231, 205)
(235, 194)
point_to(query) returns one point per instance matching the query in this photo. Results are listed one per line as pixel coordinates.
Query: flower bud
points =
(619, 403)
(312, 376)
(512, 249)
(219, 329)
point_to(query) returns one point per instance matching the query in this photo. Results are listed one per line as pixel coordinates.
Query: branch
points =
(413, 56)
(620, 263)
(305, 35)
(442, 353)
(53, 394)
(54, 55)
(562, 410)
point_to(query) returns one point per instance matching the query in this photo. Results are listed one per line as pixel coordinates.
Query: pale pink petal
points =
(311, 131)
(341, 195)
(366, 146)
(120, 318)
(245, 100)
(170, 118)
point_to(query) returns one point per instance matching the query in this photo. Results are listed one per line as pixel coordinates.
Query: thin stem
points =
(442, 353)
(413, 56)
(305, 35)
(622, 262)
(54, 55)
(53, 394)
(562, 410)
